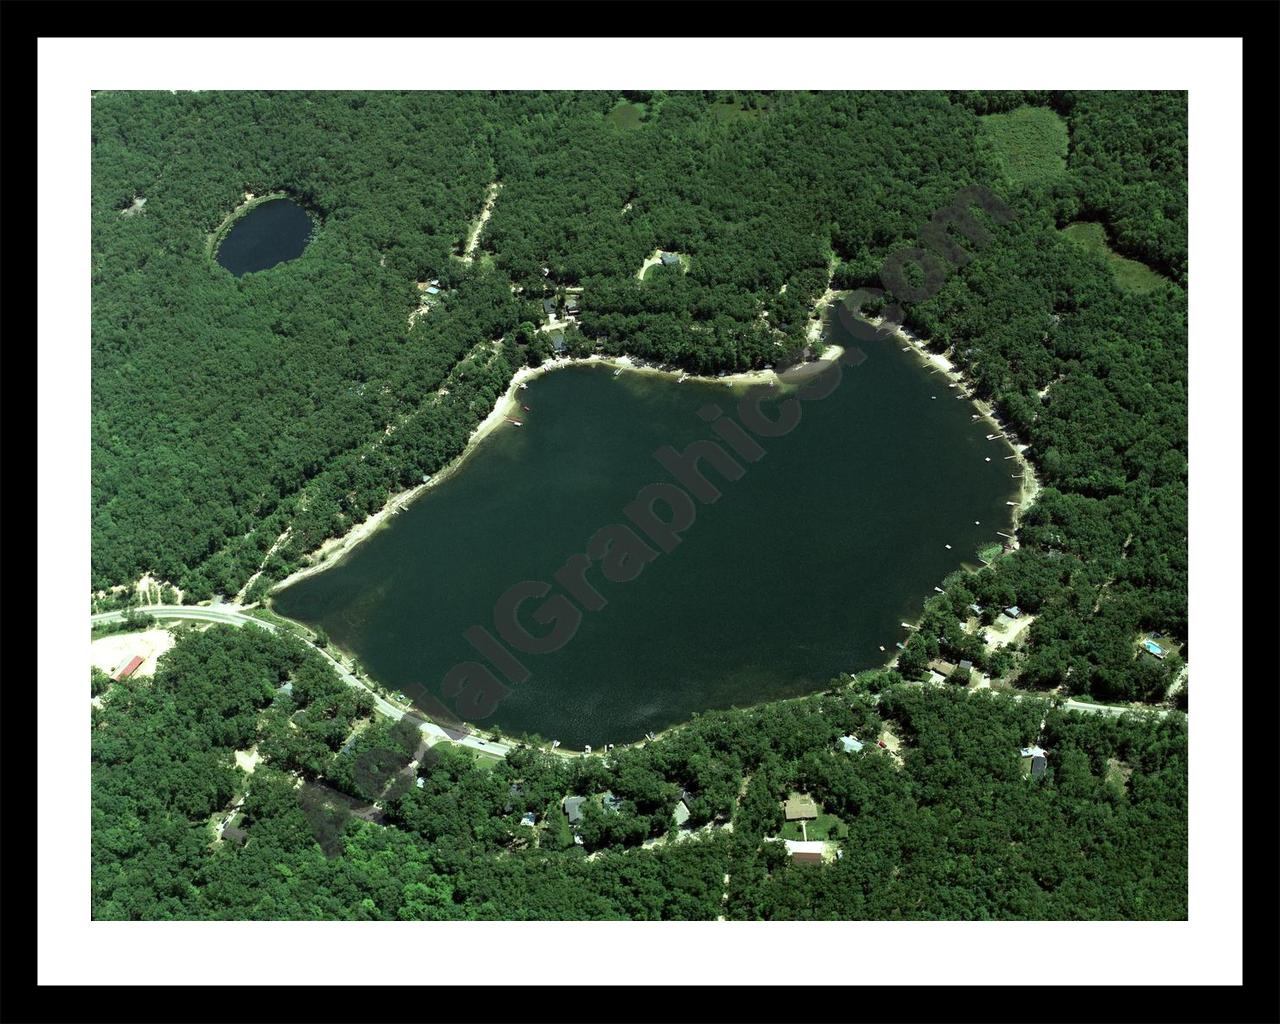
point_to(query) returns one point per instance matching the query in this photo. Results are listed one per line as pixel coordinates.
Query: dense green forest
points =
(956, 830)
(240, 422)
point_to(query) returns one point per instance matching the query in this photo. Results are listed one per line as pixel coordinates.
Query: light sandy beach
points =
(1030, 483)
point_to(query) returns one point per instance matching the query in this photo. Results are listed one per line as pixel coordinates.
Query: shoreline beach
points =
(1030, 486)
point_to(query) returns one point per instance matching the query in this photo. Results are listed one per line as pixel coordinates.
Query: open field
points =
(1130, 275)
(1029, 143)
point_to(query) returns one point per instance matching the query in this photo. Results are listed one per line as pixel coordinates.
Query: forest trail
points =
(473, 239)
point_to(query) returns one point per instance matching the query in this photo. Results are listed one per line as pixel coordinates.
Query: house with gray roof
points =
(573, 808)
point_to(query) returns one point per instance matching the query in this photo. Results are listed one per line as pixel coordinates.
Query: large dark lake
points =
(804, 567)
(270, 233)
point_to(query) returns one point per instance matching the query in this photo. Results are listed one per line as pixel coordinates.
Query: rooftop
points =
(681, 813)
(573, 808)
(800, 807)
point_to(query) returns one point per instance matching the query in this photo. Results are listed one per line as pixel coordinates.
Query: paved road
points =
(232, 615)
(1110, 709)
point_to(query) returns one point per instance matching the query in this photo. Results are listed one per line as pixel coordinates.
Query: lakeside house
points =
(849, 744)
(559, 347)
(549, 307)
(573, 808)
(800, 807)
(943, 668)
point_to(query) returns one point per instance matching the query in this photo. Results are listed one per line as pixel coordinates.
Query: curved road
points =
(233, 615)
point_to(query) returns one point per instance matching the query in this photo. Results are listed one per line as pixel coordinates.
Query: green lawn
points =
(483, 757)
(558, 822)
(1130, 275)
(824, 826)
(1029, 143)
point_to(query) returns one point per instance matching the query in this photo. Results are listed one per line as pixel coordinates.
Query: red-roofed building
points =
(129, 669)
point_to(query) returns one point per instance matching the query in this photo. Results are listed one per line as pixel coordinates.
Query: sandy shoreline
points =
(333, 550)
(1030, 486)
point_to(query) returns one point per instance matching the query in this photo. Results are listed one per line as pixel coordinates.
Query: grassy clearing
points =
(627, 114)
(1130, 275)
(483, 757)
(824, 826)
(990, 552)
(731, 110)
(1029, 143)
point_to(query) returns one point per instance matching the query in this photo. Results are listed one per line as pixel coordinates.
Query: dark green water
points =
(804, 567)
(270, 233)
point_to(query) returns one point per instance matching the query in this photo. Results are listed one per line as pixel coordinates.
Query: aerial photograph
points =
(638, 505)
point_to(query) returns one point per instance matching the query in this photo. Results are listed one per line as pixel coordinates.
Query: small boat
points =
(523, 385)
(527, 409)
(947, 546)
(516, 422)
(617, 371)
(988, 458)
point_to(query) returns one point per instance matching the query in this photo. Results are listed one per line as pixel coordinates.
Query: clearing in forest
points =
(1029, 143)
(1130, 275)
